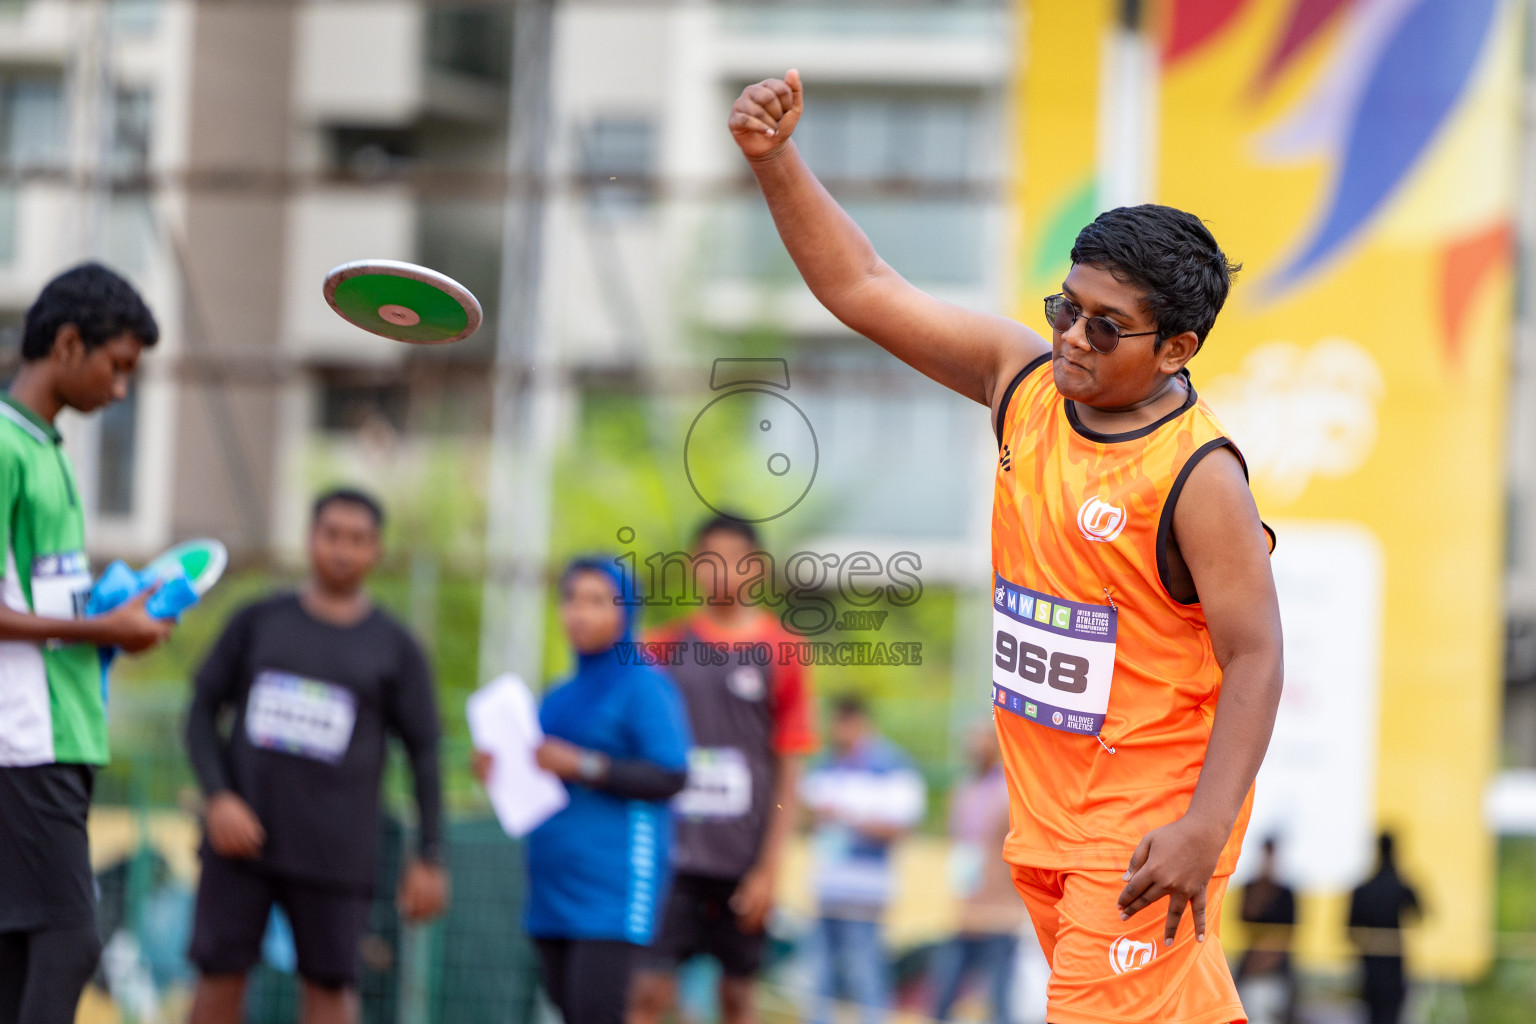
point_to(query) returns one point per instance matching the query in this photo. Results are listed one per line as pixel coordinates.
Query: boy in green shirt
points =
(80, 347)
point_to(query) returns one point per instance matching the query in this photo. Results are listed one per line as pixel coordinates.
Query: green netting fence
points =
(473, 966)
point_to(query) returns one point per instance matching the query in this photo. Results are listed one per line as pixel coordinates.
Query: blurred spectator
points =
(751, 727)
(863, 797)
(616, 732)
(990, 913)
(1376, 910)
(1264, 978)
(315, 681)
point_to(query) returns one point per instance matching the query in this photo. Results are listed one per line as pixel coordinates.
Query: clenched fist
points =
(765, 114)
(234, 831)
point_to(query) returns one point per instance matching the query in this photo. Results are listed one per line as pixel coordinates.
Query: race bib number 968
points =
(1053, 660)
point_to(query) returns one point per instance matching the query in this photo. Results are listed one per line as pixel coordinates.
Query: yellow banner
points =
(1358, 159)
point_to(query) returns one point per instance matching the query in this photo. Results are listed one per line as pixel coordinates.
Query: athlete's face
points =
(590, 612)
(733, 550)
(849, 729)
(344, 546)
(1134, 371)
(91, 378)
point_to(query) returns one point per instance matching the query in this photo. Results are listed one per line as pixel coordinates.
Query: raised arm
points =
(973, 353)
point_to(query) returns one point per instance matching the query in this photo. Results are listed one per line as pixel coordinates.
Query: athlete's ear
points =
(68, 345)
(1177, 351)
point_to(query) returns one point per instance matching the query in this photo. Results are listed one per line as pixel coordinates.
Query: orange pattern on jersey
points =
(1073, 803)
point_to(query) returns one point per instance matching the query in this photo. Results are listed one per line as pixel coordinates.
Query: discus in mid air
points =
(402, 301)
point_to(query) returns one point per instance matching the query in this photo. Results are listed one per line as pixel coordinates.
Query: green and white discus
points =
(402, 301)
(201, 561)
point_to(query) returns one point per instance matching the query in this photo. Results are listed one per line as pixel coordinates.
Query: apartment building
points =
(223, 156)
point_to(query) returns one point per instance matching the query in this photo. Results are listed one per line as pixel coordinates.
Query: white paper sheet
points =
(504, 722)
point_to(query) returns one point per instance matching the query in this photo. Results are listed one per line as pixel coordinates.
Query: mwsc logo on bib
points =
(1099, 520)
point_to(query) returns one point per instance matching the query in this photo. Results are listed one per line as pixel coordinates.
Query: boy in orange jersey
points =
(1136, 634)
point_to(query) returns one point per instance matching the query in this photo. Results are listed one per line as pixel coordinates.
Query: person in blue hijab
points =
(617, 734)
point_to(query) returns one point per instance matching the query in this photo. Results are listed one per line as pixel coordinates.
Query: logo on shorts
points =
(1099, 520)
(1126, 954)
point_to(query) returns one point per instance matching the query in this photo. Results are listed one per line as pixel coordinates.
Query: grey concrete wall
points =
(238, 142)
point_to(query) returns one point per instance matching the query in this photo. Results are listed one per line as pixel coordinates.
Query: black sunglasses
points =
(1061, 313)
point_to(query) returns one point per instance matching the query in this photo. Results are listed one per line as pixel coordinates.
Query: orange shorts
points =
(1108, 971)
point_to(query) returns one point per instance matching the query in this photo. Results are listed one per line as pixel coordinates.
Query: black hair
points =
(98, 301)
(1168, 253)
(849, 705)
(349, 496)
(725, 523)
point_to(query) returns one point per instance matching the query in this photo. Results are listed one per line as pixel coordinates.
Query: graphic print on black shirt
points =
(313, 705)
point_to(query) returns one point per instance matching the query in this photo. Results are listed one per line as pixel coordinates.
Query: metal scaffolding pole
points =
(525, 381)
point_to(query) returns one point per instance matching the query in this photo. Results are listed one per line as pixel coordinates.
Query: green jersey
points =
(52, 708)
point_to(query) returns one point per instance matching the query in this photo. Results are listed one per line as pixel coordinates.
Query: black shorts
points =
(234, 901)
(698, 919)
(45, 854)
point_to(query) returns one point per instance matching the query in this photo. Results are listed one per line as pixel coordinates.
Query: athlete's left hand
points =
(753, 900)
(1176, 861)
(423, 891)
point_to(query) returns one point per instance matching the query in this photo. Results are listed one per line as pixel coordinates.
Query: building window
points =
(130, 220)
(617, 157)
(31, 138)
(927, 146)
(132, 116)
(115, 456)
(134, 17)
(863, 406)
(31, 123)
(471, 40)
(351, 401)
(371, 152)
(7, 224)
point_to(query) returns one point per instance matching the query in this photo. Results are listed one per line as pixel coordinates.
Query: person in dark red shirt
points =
(752, 724)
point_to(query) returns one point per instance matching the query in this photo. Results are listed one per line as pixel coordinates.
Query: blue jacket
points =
(597, 869)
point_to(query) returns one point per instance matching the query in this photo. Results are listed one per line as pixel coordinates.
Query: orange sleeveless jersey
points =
(1075, 514)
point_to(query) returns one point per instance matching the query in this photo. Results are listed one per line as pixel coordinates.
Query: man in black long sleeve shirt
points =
(314, 681)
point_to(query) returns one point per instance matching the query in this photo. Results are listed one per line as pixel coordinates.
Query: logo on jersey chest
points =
(1098, 520)
(747, 683)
